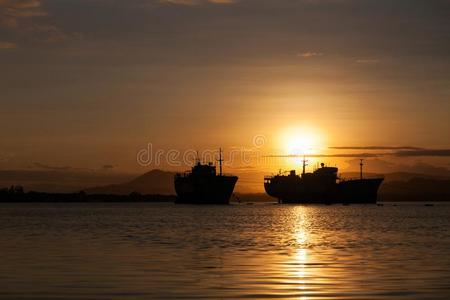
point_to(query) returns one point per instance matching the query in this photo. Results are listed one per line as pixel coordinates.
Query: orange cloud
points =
(17, 16)
(197, 2)
(222, 1)
(7, 45)
(11, 11)
(49, 33)
(310, 54)
(368, 61)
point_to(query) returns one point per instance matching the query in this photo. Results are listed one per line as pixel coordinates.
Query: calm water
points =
(142, 251)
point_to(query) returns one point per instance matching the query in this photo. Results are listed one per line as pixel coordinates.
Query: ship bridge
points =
(326, 171)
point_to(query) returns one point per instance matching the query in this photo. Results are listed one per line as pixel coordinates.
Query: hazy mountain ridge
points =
(398, 186)
(60, 181)
(153, 182)
(395, 176)
(416, 189)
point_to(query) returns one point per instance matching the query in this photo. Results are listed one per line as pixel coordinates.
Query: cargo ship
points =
(202, 185)
(322, 186)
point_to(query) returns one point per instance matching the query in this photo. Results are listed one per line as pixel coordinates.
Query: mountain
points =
(396, 187)
(152, 182)
(416, 189)
(396, 176)
(60, 181)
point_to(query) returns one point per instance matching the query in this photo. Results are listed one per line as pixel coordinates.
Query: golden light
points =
(302, 141)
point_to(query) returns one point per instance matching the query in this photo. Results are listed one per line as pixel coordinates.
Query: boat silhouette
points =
(203, 185)
(322, 186)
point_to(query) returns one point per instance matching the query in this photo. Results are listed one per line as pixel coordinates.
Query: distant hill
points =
(406, 186)
(416, 189)
(60, 181)
(398, 186)
(395, 176)
(152, 182)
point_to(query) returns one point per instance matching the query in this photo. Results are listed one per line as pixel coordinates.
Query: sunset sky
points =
(89, 83)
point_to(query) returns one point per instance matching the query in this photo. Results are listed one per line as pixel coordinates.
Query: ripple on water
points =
(163, 251)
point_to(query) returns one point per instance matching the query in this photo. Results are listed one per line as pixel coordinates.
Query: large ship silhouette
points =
(203, 185)
(322, 186)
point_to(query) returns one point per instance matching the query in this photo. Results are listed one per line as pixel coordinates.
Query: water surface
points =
(143, 251)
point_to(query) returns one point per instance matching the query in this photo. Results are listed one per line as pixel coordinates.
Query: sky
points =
(90, 84)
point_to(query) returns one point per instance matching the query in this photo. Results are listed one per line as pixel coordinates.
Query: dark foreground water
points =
(143, 251)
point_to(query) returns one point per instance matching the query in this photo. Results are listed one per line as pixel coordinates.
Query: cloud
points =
(18, 16)
(310, 54)
(8, 45)
(197, 2)
(384, 166)
(222, 1)
(424, 152)
(12, 11)
(48, 167)
(48, 33)
(399, 151)
(376, 148)
(407, 151)
(107, 167)
(370, 61)
(243, 168)
(345, 155)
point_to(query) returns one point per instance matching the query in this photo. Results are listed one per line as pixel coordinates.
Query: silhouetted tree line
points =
(18, 194)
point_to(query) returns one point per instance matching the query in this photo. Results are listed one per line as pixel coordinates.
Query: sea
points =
(243, 251)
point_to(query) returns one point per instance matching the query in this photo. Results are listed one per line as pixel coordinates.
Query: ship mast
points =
(361, 168)
(220, 161)
(304, 165)
(197, 159)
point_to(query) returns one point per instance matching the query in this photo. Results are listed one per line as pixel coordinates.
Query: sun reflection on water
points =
(301, 259)
(237, 252)
(301, 253)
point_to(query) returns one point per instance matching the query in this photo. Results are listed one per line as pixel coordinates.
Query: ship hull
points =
(201, 190)
(361, 191)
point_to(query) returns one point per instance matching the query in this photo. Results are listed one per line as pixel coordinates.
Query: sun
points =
(300, 144)
(302, 141)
